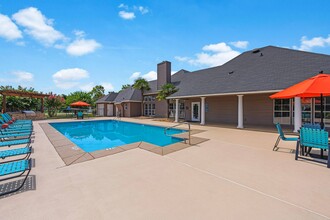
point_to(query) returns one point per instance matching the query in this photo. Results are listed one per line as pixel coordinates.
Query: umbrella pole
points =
(322, 123)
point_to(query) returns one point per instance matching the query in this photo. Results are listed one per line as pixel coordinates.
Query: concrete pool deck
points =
(233, 175)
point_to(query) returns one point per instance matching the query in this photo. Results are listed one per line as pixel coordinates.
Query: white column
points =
(203, 111)
(240, 111)
(297, 114)
(176, 110)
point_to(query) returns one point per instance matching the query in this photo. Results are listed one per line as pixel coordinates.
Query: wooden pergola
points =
(6, 93)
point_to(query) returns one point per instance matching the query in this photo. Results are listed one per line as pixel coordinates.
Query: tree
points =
(125, 87)
(167, 90)
(143, 85)
(53, 103)
(15, 103)
(79, 96)
(97, 92)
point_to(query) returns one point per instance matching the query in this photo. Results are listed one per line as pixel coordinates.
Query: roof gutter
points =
(224, 94)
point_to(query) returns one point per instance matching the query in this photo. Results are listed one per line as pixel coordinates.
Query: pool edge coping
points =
(71, 153)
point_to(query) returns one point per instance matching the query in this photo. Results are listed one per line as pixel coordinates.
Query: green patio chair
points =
(80, 115)
(14, 169)
(282, 137)
(314, 138)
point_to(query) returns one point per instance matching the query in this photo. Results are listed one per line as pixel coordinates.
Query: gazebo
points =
(7, 92)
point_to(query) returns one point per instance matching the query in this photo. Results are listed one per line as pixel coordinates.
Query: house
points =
(238, 91)
(105, 105)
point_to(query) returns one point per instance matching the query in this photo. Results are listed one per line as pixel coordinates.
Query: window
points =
(282, 111)
(172, 109)
(326, 110)
(149, 109)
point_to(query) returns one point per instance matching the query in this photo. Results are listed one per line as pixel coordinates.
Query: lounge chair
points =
(15, 167)
(282, 137)
(11, 122)
(14, 131)
(15, 142)
(15, 136)
(314, 138)
(16, 152)
(7, 116)
(2, 122)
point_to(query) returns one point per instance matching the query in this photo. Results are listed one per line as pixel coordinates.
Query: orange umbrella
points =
(315, 86)
(80, 103)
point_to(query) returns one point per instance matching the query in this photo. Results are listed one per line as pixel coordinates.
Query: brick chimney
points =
(163, 74)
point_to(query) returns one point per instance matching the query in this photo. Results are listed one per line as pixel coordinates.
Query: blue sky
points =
(69, 45)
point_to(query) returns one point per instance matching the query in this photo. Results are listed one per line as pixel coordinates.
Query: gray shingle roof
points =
(129, 94)
(272, 68)
(108, 98)
(175, 79)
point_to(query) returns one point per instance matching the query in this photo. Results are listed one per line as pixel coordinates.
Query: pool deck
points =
(233, 175)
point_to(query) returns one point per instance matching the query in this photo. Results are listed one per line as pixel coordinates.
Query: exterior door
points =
(100, 109)
(109, 109)
(195, 111)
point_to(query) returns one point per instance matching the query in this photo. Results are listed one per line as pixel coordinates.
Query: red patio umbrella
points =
(80, 103)
(316, 86)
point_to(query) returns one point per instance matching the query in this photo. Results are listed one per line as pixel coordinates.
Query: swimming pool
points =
(99, 135)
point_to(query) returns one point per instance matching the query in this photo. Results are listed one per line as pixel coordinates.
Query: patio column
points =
(240, 111)
(297, 114)
(203, 111)
(176, 110)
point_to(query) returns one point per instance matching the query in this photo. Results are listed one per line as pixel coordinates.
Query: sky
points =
(71, 45)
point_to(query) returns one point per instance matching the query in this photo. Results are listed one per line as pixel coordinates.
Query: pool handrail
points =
(181, 123)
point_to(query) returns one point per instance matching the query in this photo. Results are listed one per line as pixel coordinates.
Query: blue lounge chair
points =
(6, 120)
(5, 131)
(15, 136)
(8, 117)
(16, 125)
(15, 142)
(314, 138)
(16, 152)
(15, 167)
(282, 137)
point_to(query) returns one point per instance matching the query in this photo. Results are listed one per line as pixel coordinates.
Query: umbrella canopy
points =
(80, 103)
(316, 86)
(312, 87)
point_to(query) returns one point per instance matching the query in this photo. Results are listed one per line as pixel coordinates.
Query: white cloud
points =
(127, 15)
(8, 29)
(309, 44)
(240, 44)
(17, 77)
(108, 86)
(143, 10)
(23, 76)
(81, 47)
(87, 87)
(135, 75)
(79, 33)
(38, 26)
(216, 54)
(71, 74)
(152, 75)
(123, 6)
(69, 78)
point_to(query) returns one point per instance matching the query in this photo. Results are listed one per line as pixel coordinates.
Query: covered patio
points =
(21, 115)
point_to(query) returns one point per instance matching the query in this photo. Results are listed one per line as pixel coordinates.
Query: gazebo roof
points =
(7, 92)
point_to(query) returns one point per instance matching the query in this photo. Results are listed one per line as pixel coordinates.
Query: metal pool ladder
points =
(185, 139)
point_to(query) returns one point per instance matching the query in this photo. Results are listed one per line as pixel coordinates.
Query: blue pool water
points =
(98, 135)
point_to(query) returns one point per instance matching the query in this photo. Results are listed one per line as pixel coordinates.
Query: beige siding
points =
(134, 109)
(221, 109)
(161, 109)
(258, 109)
